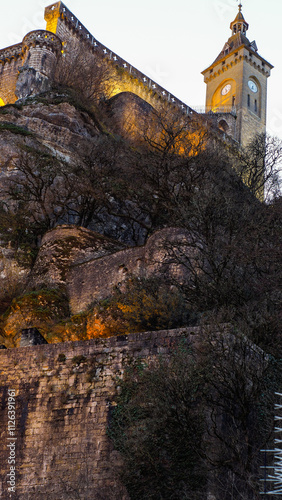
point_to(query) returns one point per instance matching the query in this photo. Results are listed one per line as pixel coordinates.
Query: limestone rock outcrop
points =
(61, 128)
(63, 247)
(90, 266)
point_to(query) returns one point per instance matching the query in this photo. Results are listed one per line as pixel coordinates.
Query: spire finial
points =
(239, 24)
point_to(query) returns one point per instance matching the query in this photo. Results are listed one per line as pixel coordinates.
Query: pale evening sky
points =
(170, 41)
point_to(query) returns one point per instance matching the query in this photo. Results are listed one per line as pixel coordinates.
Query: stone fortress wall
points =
(63, 26)
(64, 394)
(11, 62)
(28, 68)
(69, 29)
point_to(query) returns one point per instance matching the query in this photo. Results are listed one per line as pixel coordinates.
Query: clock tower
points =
(237, 85)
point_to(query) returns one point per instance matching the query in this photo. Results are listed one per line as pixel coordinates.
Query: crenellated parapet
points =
(28, 67)
(61, 21)
(44, 40)
(10, 54)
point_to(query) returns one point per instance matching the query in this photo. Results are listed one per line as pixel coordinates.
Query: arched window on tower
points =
(256, 106)
(249, 100)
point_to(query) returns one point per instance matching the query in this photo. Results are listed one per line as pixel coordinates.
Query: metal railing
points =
(216, 110)
(273, 473)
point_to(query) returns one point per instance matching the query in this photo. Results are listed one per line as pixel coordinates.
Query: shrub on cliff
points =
(158, 427)
(41, 309)
(12, 281)
(197, 419)
(145, 304)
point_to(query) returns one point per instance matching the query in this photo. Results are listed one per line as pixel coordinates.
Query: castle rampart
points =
(70, 30)
(28, 68)
(61, 21)
(65, 27)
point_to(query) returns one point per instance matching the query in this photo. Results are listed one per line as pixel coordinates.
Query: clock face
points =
(226, 89)
(252, 86)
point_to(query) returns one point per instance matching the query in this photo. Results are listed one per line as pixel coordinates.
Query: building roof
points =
(238, 39)
(234, 42)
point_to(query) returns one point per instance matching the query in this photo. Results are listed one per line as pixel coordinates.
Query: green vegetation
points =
(202, 413)
(158, 426)
(61, 358)
(195, 417)
(174, 176)
(78, 360)
(143, 305)
(15, 129)
(5, 110)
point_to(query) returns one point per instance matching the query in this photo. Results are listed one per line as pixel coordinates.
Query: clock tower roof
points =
(237, 39)
(239, 28)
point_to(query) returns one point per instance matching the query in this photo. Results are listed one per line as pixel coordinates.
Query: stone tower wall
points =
(28, 67)
(237, 68)
(62, 395)
(251, 120)
(41, 50)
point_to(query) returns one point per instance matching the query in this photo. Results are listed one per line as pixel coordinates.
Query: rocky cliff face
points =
(61, 128)
(80, 265)
(54, 125)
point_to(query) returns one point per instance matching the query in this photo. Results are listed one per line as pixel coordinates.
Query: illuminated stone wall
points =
(63, 398)
(10, 64)
(27, 68)
(129, 79)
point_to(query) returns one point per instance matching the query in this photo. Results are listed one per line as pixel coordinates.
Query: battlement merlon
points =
(60, 11)
(33, 38)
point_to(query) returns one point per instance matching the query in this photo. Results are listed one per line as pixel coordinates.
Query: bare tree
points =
(194, 423)
(85, 70)
(158, 427)
(260, 166)
(241, 380)
(37, 181)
